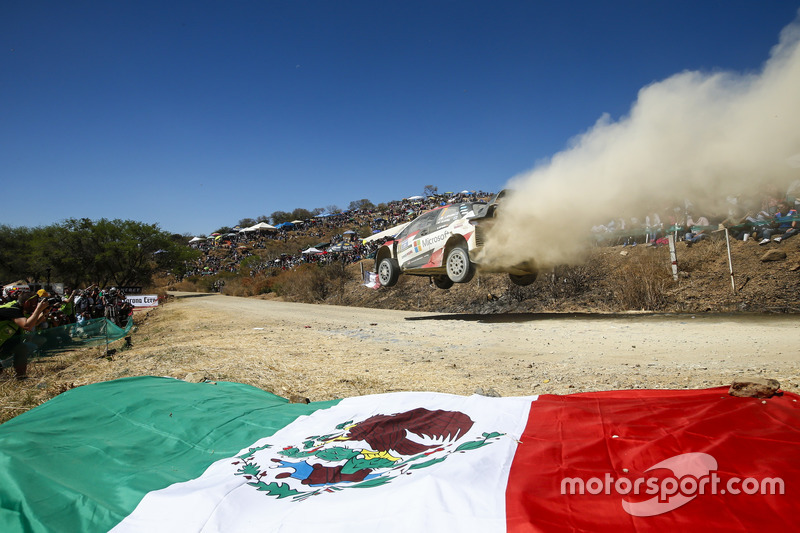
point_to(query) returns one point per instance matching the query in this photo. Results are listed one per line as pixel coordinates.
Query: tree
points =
(317, 211)
(14, 257)
(118, 252)
(247, 222)
(431, 190)
(332, 209)
(280, 216)
(361, 204)
(301, 214)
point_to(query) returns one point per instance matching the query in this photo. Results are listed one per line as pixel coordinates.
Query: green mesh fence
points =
(72, 336)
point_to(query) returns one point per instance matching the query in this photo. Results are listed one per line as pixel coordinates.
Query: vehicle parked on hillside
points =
(445, 244)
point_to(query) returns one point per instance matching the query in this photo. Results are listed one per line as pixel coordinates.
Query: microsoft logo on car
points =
(430, 241)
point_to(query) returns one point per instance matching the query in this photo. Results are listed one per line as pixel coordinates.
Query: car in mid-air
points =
(445, 244)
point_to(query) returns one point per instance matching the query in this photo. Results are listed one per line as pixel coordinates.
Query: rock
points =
(296, 398)
(491, 393)
(754, 387)
(773, 255)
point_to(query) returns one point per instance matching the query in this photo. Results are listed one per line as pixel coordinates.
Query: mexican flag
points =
(157, 454)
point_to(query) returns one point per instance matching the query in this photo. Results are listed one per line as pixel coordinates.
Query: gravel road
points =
(323, 352)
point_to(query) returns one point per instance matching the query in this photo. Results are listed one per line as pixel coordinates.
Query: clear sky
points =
(196, 114)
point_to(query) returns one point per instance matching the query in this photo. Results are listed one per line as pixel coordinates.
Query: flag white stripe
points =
(464, 491)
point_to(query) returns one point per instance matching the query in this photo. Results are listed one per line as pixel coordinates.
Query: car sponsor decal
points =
(435, 260)
(429, 242)
(417, 261)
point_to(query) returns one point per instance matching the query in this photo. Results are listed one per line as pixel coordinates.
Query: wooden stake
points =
(673, 257)
(730, 262)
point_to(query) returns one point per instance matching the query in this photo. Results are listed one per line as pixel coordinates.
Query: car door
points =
(424, 240)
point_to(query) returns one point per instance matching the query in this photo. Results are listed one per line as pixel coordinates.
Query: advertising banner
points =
(142, 301)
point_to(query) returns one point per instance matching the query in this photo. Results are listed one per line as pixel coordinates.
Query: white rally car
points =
(443, 244)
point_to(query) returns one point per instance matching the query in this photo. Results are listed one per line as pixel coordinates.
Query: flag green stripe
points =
(83, 460)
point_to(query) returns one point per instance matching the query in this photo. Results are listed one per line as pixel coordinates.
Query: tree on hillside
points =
(224, 229)
(280, 216)
(431, 190)
(361, 204)
(261, 218)
(301, 214)
(247, 222)
(317, 211)
(332, 209)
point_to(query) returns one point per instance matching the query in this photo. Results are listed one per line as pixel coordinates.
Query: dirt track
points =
(323, 352)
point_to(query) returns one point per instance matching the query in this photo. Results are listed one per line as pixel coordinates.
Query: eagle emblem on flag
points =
(363, 454)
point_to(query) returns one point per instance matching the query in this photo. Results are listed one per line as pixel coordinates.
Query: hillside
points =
(613, 279)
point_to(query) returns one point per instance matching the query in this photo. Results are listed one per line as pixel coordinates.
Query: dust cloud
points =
(695, 136)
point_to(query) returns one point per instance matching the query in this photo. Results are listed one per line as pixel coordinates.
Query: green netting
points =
(72, 336)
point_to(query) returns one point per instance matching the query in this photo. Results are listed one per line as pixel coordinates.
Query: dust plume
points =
(694, 136)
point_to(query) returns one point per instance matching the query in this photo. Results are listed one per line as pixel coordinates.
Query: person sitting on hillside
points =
(13, 322)
(784, 226)
(698, 229)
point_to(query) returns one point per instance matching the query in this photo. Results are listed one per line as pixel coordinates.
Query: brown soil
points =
(619, 279)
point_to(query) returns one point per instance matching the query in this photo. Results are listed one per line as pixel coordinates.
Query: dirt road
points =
(323, 352)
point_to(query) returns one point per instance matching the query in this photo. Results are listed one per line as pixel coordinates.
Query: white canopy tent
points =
(311, 250)
(197, 239)
(261, 226)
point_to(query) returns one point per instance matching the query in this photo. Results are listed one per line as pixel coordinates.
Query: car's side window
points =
(420, 224)
(447, 216)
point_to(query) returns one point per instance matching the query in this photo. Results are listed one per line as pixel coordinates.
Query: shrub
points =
(641, 283)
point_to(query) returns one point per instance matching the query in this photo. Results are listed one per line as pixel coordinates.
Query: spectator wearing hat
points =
(13, 321)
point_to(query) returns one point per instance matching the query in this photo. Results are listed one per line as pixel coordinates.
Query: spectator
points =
(13, 321)
(698, 229)
(784, 226)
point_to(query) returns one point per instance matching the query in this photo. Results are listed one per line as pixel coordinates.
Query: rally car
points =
(445, 244)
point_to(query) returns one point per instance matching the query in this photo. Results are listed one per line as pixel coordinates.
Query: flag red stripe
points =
(593, 435)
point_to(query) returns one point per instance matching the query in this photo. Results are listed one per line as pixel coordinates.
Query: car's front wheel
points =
(442, 282)
(459, 268)
(388, 272)
(523, 280)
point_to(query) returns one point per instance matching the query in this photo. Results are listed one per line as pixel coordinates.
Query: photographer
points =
(24, 312)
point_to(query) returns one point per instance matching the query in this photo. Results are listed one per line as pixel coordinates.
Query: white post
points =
(673, 257)
(730, 262)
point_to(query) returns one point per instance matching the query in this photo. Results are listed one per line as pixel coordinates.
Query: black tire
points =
(523, 280)
(388, 272)
(459, 268)
(442, 282)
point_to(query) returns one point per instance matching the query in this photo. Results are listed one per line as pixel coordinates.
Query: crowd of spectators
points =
(227, 252)
(23, 310)
(74, 306)
(770, 218)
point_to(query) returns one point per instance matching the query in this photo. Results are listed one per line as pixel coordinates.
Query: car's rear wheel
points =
(459, 268)
(522, 280)
(442, 282)
(388, 272)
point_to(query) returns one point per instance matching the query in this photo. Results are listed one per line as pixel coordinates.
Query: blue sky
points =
(196, 114)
